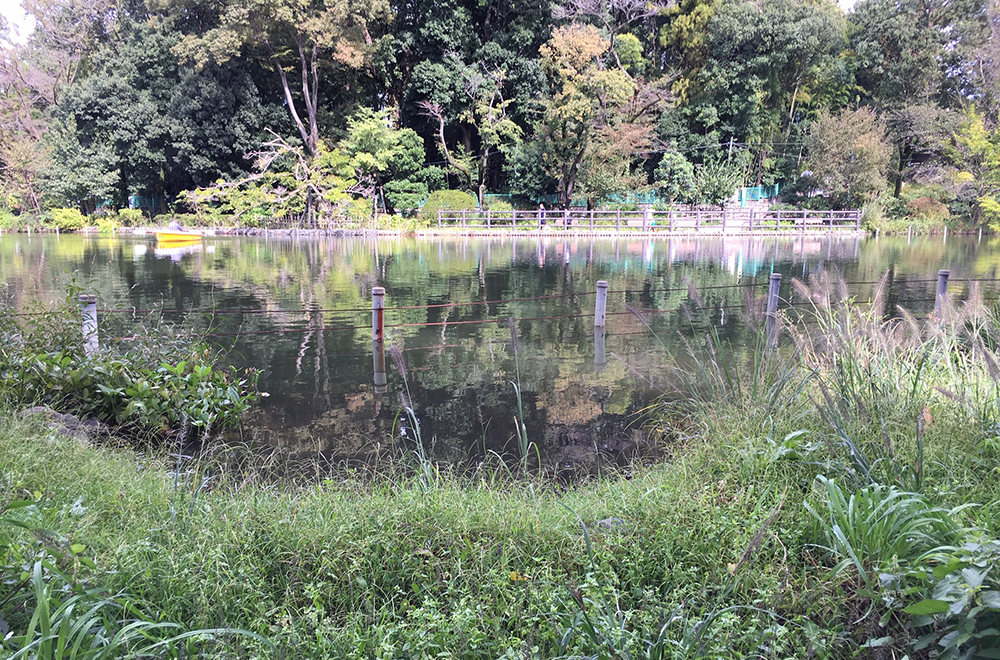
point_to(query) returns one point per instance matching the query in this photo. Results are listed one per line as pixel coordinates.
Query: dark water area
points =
(305, 323)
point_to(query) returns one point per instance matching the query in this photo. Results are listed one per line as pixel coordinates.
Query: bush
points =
(928, 210)
(129, 217)
(66, 219)
(107, 224)
(156, 387)
(446, 200)
(500, 205)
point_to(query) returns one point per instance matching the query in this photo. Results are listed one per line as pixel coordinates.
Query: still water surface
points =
(318, 365)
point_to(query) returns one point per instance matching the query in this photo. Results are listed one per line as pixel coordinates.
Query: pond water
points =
(305, 323)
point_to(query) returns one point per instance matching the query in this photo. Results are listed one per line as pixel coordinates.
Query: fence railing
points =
(710, 221)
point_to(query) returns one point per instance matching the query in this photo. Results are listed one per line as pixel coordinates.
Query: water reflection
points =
(306, 322)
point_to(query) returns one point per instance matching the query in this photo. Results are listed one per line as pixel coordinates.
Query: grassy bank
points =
(809, 496)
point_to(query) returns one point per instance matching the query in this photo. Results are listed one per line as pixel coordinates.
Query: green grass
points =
(729, 548)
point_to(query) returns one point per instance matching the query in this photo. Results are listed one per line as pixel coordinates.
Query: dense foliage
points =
(109, 104)
(156, 389)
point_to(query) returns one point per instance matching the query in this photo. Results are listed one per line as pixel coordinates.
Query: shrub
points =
(446, 200)
(66, 219)
(107, 224)
(129, 217)
(500, 205)
(928, 210)
(156, 387)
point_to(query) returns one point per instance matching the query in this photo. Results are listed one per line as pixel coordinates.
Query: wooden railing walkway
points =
(706, 221)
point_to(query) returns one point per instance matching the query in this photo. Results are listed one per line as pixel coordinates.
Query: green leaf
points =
(928, 606)
(77, 548)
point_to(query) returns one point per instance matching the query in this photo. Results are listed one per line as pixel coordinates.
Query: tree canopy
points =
(578, 101)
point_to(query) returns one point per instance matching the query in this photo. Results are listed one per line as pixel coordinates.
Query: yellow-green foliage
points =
(66, 219)
(446, 200)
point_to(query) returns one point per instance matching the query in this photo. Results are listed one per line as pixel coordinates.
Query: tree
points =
(585, 96)
(716, 180)
(286, 179)
(388, 162)
(486, 111)
(974, 152)
(298, 37)
(675, 178)
(849, 154)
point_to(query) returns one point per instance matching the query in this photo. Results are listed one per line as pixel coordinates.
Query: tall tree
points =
(298, 38)
(849, 155)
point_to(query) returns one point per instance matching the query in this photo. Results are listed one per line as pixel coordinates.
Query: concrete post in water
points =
(378, 313)
(772, 310)
(942, 294)
(88, 308)
(600, 360)
(601, 305)
(945, 239)
(378, 366)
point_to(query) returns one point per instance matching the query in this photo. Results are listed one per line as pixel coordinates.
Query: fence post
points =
(539, 219)
(671, 219)
(777, 221)
(857, 220)
(378, 366)
(591, 221)
(378, 313)
(600, 359)
(463, 219)
(772, 310)
(724, 217)
(942, 293)
(804, 213)
(697, 220)
(751, 220)
(487, 218)
(88, 309)
(601, 304)
(618, 220)
(439, 218)
(831, 219)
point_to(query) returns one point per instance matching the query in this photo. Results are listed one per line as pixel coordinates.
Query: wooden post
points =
(378, 366)
(942, 294)
(591, 221)
(439, 218)
(378, 313)
(88, 309)
(772, 310)
(697, 219)
(751, 220)
(831, 219)
(724, 216)
(539, 219)
(777, 221)
(671, 219)
(600, 359)
(601, 305)
(804, 213)
(857, 220)
(487, 218)
(618, 220)
(463, 219)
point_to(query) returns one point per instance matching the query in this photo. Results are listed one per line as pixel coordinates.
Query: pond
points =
(299, 311)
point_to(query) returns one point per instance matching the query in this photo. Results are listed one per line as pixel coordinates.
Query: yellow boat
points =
(177, 237)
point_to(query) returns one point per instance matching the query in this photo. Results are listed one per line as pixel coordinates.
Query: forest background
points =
(352, 108)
